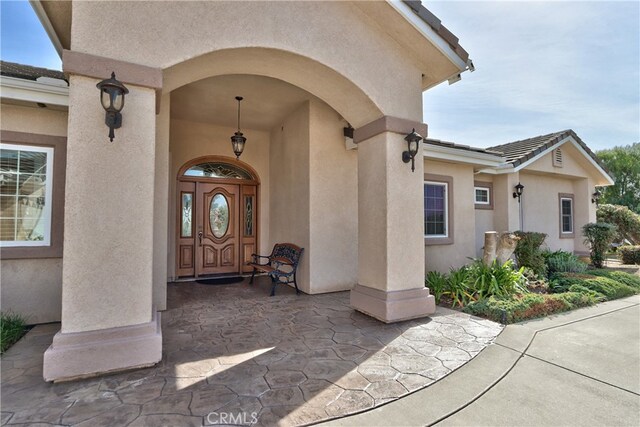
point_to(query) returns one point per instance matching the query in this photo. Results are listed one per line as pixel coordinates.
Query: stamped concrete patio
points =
(234, 355)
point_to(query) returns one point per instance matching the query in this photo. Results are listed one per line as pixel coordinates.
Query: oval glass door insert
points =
(219, 215)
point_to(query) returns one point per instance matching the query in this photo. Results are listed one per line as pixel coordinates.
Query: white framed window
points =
(566, 215)
(482, 195)
(436, 205)
(26, 187)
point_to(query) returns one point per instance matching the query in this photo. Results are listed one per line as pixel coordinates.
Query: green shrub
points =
(437, 284)
(528, 306)
(563, 262)
(12, 327)
(499, 280)
(629, 254)
(627, 221)
(528, 253)
(598, 236)
(630, 280)
(609, 287)
(458, 287)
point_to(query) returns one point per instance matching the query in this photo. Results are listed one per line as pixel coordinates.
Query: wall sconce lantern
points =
(413, 142)
(518, 191)
(112, 94)
(238, 140)
(595, 197)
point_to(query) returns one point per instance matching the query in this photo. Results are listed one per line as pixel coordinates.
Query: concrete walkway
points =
(578, 368)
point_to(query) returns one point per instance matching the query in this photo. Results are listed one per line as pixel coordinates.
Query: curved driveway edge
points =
(575, 368)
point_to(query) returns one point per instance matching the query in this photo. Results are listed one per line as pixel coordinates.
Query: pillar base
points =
(78, 355)
(393, 306)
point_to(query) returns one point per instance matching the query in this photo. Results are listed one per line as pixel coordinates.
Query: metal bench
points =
(280, 266)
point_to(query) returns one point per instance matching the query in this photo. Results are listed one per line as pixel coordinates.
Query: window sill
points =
(433, 241)
(483, 207)
(567, 235)
(30, 252)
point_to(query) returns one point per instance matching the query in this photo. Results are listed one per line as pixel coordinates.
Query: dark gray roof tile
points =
(27, 72)
(518, 152)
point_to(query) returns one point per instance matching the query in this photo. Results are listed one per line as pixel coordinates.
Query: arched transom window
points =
(217, 170)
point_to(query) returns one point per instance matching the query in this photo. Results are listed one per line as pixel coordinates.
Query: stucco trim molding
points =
(99, 67)
(59, 145)
(487, 185)
(388, 124)
(571, 235)
(86, 354)
(449, 240)
(393, 306)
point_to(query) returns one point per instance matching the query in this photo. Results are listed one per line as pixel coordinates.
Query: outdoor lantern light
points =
(112, 94)
(518, 193)
(413, 142)
(238, 140)
(595, 197)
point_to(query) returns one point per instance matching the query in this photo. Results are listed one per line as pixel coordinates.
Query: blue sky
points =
(22, 37)
(541, 67)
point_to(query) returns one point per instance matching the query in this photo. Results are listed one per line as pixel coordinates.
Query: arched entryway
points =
(217, 205)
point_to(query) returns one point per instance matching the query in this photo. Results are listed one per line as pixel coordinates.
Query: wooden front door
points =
(217, 218)
(217, 229)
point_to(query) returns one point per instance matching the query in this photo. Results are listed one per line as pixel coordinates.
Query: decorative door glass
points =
(248, 215)
(218, 170)
(186, 229)
(219, 215)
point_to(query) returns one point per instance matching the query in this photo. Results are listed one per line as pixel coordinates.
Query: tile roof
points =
(518, 152)
(461, 147)
(27, 72)
(435, 23)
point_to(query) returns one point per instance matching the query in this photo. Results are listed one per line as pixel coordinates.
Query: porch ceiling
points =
(267, 102)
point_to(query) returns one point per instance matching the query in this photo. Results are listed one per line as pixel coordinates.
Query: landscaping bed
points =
(543, 283)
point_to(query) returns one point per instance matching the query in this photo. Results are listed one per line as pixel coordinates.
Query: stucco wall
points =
(442, 257)
(289, 187)
(33, 120)
(173, 32)
(190, 140)
(333, 203)
(32, 287)
(109, 206)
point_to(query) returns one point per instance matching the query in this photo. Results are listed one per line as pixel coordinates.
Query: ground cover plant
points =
(506, 294)
(12, 328)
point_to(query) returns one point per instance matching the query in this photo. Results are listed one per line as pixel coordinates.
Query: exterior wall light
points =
(413, 143)
(112, 94)
(517, 194)
(238, 140)
(595, 197)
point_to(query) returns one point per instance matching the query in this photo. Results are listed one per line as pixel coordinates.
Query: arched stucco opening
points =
(350, 101)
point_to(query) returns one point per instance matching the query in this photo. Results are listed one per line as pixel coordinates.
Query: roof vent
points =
(557, 158)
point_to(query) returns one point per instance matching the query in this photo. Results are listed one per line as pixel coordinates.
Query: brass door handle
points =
(200, 237)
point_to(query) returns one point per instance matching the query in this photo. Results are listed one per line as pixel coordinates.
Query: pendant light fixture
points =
(238, 140)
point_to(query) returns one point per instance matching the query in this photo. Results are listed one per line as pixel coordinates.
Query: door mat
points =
(221, 280)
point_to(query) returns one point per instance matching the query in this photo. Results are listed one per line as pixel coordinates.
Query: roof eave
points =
(430, 34)
(436, 152)
(48, 26)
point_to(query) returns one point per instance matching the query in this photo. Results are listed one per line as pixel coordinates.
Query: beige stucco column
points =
(108, 321)
(390, 225)
(506, 208)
